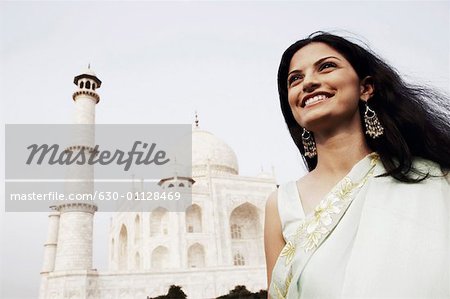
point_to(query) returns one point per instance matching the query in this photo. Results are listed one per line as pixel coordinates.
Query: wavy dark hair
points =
(415, 118)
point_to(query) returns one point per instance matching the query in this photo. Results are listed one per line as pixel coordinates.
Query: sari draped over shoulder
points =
(369, 237)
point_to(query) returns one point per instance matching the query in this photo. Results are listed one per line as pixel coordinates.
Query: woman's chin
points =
(316, 122)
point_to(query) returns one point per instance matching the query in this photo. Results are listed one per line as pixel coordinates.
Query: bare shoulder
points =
(272, 223)
(273, 236)
(272, 202)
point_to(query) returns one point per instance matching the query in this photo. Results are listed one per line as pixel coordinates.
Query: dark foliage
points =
(175, 292)
(241, 292)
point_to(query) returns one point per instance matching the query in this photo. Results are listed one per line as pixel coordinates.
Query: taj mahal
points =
(214, 245)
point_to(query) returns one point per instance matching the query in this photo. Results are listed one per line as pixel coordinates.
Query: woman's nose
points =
(310, 83)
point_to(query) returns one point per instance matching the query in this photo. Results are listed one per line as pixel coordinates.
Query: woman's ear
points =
(367, 88)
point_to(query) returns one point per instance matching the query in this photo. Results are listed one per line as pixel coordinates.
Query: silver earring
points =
(309, 144)
(373, 126)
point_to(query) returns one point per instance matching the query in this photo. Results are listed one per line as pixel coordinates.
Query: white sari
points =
(370, 237)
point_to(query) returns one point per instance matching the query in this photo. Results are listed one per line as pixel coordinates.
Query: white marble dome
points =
(206, 146)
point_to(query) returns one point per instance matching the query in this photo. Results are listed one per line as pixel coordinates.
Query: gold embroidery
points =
(288, 281)
(288, 251)
(347, 187)
(281, 294)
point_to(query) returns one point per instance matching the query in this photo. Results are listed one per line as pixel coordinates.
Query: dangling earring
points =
(373, 126)
(308, 144)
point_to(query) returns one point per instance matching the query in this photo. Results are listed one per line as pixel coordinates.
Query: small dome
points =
(206, 146)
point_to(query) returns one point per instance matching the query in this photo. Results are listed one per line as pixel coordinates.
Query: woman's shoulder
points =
(428, 166)
(420, 168)
(288, 191)
(284, 204)
(285, 199)
(431, 169)
(272, 201)
(274, 198)
(433, 183)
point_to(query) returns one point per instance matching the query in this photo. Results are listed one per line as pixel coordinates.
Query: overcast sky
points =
(159, 62)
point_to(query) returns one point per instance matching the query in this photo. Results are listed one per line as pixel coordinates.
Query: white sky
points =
(159, 62)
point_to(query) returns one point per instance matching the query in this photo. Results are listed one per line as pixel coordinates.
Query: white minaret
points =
(49, 251)
(50, 244)
(69, 241)
(74, 248)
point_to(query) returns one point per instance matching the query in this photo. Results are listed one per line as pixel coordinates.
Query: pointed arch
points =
(88, 84)
(160, 258)
(123, 247)
(196, 256)
(245, 233)
(159, 222)
(194, 219)
(244, 222)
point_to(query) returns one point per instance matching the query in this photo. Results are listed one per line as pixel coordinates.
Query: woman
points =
(371, 219)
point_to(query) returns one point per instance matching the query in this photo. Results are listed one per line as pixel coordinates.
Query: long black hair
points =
(416, 119)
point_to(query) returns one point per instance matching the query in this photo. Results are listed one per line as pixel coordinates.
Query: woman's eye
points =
(326, 65)
(294, 78)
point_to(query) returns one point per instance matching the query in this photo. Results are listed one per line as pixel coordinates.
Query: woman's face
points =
(323, 88)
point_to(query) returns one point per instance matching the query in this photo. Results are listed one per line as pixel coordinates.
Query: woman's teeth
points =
(315, 99)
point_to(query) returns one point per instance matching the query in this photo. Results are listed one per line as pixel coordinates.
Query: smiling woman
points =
(377, 199)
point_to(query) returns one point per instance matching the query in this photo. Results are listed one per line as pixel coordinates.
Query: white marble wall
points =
(197, 284)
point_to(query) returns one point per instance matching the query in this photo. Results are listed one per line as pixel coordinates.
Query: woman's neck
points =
(338, 153)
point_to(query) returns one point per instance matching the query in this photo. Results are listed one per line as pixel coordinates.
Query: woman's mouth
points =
(316, 99)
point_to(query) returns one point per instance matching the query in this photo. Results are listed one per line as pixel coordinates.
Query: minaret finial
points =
(196, 119)
(89, 65)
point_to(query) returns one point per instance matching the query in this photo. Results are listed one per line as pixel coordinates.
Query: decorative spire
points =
(89, 66)
(196, 119)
